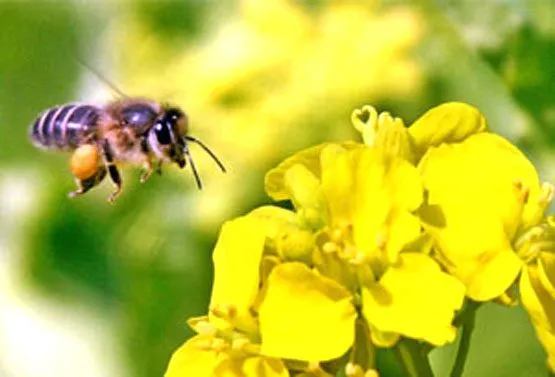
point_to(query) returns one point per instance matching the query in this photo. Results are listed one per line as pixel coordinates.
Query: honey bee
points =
(134, 131)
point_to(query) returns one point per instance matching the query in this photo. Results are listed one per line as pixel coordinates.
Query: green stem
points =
(413, 358)
(467, 321)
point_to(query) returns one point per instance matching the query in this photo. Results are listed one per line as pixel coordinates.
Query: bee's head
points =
(168, 140)
(166, 136)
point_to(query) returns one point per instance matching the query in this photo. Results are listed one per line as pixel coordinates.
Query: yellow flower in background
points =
(273, 77)
(386, 239)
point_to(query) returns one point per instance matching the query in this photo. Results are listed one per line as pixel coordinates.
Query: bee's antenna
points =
(101, 77)
(207, 150)
(193, 167)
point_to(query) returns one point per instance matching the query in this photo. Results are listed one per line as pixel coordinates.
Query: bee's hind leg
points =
(84, 185)
(112, 171)
(86, 168)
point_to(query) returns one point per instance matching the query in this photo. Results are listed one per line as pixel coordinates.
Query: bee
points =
(134, 131)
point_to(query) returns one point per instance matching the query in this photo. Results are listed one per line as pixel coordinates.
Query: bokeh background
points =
(96, 290)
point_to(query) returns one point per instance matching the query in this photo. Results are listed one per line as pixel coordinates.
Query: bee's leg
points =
(84, 185)
(148, 170)
(159, 167)
(112, 170)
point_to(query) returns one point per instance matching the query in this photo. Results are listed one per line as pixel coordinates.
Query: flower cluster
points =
(387, 240)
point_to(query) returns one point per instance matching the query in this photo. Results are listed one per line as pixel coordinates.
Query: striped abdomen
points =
(66, 126)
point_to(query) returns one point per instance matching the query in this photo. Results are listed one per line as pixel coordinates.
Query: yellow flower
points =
(369, 196)
(485, 212)
(478, 191)
(385, 240)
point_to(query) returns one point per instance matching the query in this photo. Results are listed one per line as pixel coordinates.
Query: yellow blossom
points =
(369, 196)
(385, 240)
(477, 192)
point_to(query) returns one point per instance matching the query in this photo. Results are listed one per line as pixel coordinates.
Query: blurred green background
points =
(96, 290)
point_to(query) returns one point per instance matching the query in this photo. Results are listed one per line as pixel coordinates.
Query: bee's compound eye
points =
(84, 161)
(162, 131)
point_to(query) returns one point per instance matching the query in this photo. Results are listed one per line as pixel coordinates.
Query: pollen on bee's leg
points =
(84, 185)
(84, 161)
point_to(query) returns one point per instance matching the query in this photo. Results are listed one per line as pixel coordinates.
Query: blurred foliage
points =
(258, 84)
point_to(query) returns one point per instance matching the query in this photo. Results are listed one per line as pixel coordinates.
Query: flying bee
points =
(133, 131)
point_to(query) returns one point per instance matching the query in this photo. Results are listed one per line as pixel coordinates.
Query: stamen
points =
(219, 345)
(329, 247)
(353, 370)
(227, 312)
(239, 344)
(371, 373)
(546, 193)
(523, 193)
(359, 259)
(336, 235)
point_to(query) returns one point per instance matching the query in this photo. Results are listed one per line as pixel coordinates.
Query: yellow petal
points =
(274, 181)
(237, 258)
(193, 359)
(447, 123)
(374, 193)
(254, 366)
(307, 197)
(477, 193)
(337, 183)
(305, 316)
(541, 308)
(274, 219)
(546, 272)
(386, 190)
(415, 299)
(285, 234)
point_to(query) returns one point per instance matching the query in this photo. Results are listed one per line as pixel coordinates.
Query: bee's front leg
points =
(149, 169)
(112, 170)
